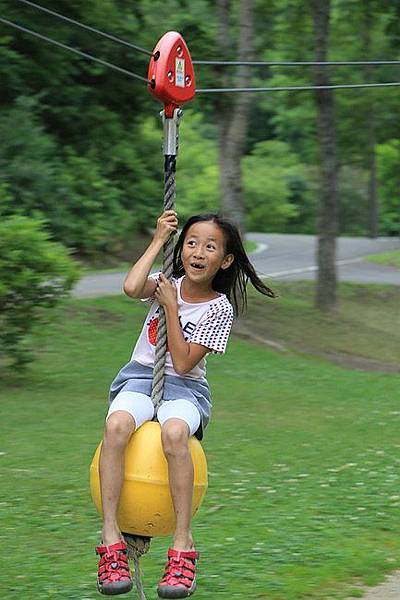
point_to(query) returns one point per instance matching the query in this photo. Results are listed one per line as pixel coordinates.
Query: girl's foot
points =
(183, 542)
(114, 576)
(179, 579)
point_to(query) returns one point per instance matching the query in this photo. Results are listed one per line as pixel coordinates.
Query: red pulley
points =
(171, 72)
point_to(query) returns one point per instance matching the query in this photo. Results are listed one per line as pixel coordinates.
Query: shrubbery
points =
(389, 191)
(275, 187)
(35, 273)
(81, 205)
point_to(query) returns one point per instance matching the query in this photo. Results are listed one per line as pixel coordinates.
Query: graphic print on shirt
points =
(152, 327)
(152, 331)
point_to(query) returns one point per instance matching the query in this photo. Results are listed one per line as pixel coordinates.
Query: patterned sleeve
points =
(214, 328)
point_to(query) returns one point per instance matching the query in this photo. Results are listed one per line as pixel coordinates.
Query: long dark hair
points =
(233, 280)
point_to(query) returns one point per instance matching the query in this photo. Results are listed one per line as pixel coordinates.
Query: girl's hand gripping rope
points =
(166, 294)
(137, 283)
(167, 224)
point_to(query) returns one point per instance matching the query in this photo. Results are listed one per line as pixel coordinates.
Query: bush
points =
(88, 216)
(389, 187)
(272, 174)
(35, 273)
(82, 207)
(353, 204)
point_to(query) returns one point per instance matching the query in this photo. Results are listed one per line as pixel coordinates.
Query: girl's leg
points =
(119, 427)
(128, 411)
(175, 440)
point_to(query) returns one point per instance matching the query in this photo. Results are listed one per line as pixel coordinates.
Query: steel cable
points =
(283, 63)
(218, 90)
(92, 29)
(75, 50)
(297, 88)
(235, 63)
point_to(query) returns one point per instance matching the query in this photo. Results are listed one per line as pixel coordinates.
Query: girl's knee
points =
(175, 436)
(119, 426)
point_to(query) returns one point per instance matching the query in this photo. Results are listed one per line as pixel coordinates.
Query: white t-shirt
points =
(206, 323)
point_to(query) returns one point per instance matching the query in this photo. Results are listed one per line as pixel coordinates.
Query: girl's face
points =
(203, 252)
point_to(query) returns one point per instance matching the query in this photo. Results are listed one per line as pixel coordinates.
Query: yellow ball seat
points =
(145, 506)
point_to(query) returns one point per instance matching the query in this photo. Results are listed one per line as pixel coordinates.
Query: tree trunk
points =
(328, 210)
(233, 114)
(373, 210)
(373, 213)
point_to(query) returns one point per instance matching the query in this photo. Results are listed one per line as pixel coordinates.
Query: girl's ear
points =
(228, 260)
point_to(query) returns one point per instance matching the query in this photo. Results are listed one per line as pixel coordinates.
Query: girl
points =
(211, 270)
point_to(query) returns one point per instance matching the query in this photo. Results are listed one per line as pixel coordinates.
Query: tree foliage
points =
(275, 186)
(81, 145)
(389, 173)
(82, 206)
(35, 273)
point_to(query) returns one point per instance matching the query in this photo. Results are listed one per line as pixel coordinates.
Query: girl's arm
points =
(184, 355)
(137, 283)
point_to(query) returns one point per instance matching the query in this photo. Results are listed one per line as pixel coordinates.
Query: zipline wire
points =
(75, 50)
(297, 88)
(204, 90)
(92, 29)
(234, 63)
(283, 63)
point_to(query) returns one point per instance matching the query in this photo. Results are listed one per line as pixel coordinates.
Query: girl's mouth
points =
(197, 266)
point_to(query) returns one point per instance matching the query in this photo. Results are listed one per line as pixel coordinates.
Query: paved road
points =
(284, 257)
(293, 257)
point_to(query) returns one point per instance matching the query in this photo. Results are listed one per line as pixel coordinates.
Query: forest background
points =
(81, 144)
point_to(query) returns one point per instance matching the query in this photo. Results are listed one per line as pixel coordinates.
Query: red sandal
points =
(179, 579)
(114, 576)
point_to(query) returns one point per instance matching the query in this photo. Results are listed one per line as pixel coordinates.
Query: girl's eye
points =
(210, 247)
(190, 242)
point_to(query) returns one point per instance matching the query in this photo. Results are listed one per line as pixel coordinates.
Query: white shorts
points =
(141, 408)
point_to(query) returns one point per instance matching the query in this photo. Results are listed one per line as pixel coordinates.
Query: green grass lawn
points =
(364, 327)
(303, 457)
(388, 259)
